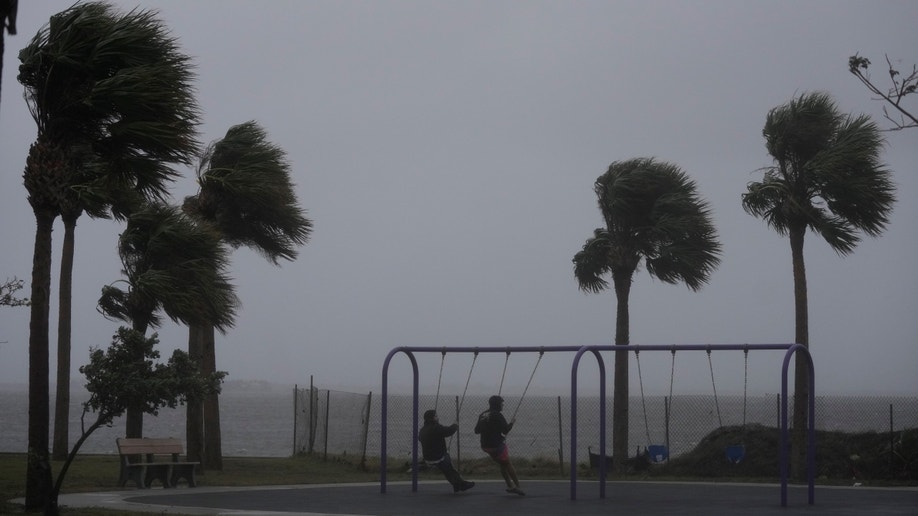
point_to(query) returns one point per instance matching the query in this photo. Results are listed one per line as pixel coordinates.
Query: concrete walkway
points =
(488, 497)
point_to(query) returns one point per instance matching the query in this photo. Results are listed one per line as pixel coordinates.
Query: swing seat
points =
(736, 453)
(657, 453)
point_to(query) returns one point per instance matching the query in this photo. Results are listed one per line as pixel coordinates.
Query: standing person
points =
(433, 446)
(494, 428)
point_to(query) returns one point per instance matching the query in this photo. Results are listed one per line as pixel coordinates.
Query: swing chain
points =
(467, 380)
(541, 354)
(745, 381)
(637, 358)
(501, 387)
(449, 446)
(440, 378)
(714, 387)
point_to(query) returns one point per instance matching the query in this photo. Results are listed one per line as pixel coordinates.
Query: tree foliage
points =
(173, 266)
(902, 86)
(828, 175)
(117, 381)
(246, 194)
(653, 214)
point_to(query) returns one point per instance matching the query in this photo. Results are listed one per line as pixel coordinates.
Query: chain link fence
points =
(331, 422)
(341, 423)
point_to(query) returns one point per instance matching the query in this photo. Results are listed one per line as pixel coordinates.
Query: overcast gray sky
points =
(446, 152)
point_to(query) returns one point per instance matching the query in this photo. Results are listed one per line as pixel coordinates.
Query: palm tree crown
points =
(173, 265)
(247, 195)
(652, 213)
(827, 174)
(112, 94)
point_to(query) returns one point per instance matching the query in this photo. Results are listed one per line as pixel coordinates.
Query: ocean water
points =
(256, 420)
(260, 420)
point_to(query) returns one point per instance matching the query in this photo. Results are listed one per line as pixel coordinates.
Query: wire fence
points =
(331, 422)
(341, 423)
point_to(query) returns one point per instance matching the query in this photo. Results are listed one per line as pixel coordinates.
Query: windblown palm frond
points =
(116, 90)
(653, 212)
(174, 265)
(828, 174)
(592, 262)
(247, 195)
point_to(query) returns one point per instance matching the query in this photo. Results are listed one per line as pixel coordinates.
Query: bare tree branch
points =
(902, 86)
(7, 289)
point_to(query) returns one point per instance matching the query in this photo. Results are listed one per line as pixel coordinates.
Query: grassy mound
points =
(840, 456)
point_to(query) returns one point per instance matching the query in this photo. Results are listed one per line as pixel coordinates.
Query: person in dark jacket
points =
(433, 447)
(493, 428)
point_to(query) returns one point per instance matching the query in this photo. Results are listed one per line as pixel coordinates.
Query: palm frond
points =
(828, 174)
(176, 265)
(118, 86)
(246, 193)
(768, 200)
(652, 212)
(593, 262)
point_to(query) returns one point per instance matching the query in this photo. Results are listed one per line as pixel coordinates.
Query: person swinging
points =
(433, 447)
(493, 429)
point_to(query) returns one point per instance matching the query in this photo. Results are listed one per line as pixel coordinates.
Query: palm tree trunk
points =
(61, 443)
(213, 443)
(622, 283)
(133, 418)
(801, 336)
(194, 411)
(38, 468)
(2, 48)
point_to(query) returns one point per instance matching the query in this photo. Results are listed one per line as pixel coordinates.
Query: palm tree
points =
(245, 195)
(112, 99)
(653, 215)
(827, 177)
(8, 10)
(174, 266)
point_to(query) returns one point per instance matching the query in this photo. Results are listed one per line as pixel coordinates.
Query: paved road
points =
(543, 498)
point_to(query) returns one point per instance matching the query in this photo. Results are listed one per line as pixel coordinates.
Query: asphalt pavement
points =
(489, 497)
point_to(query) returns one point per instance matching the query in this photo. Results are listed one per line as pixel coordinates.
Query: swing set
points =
(499, 389)
(659, 453)
(737, 453)
(410, 352)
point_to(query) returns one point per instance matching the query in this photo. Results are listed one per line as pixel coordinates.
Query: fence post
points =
(295, 393)
(313, 417)
(327, 406)
(666, 416)
(892, 443)
(366, 431)
(560, 439)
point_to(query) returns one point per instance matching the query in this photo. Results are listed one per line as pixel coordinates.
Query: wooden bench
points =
(138, 462)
